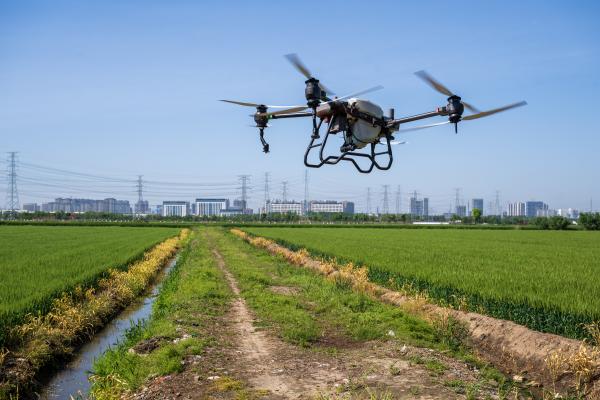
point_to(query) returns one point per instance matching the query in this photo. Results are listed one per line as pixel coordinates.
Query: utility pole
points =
(266, 192)
(398, 197)
(244, 180)
(386, 201)
(306, 192)
(12, 193)
(140, 188)
(368, 200)
(284, 191)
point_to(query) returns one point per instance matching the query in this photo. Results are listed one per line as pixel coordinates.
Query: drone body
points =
(361, 123)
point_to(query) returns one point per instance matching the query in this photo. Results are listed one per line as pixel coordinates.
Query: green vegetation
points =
(547, 280)
(590, 221)
(302, 307)
(39, 263)
(192, 295)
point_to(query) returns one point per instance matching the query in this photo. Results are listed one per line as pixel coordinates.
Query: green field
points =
(38, 263)
(547, 280)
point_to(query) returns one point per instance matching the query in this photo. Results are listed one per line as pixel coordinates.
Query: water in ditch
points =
(72, 380)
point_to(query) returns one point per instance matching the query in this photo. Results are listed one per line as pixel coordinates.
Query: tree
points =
(476, 213)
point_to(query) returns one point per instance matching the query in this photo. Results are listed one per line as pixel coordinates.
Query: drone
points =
(360, 123)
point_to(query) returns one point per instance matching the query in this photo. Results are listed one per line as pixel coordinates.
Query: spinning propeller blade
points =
(494, 111)
(396, 142)
(247, 104)
(418, 128)
(293, 109)
(299, 65)
(431, 81)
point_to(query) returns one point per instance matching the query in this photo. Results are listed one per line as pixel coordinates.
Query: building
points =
(175, 208)
(208, 207)
(284, 207)
(142, 207)
(228, 212)
(477, 203)
(330, 206)
(419, 208)
(536, 209)
(109, 205)
(31, 207)
(461, 211)
(516, 209)
(570, 213)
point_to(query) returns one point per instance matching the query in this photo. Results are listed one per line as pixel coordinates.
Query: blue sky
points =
(121, 88)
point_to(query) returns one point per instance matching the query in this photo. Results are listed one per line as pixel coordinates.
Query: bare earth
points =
(259, 365)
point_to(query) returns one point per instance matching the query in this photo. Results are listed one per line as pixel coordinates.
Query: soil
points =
(250, 363)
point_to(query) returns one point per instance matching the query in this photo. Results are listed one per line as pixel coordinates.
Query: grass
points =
(193, 294)
(39, 263)
(543, 279)
(317, 307)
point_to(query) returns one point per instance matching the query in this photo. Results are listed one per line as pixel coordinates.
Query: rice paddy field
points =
(38, 263)
(546, 280)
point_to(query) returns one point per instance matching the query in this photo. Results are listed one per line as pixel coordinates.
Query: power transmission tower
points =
(386, 201)
(456, 200)
(306, 191)
(497, 205)
(398, 198)
(12, 195)
(284, 191)
(368, 200)
(266, 191)
(244, 180)
(139, 208)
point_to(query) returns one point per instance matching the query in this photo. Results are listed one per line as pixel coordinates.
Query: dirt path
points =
(263, 354)
(258, 364)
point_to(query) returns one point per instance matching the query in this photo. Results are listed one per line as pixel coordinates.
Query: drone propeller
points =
(494, 111)
(295, 109)
(469, 117)
(396, 142)
(299, 65)
(247, 104)
(431, 81)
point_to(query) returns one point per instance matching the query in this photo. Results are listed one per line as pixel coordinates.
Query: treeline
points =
(588, 221)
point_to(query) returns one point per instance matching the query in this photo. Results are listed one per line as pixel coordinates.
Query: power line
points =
(368, 200)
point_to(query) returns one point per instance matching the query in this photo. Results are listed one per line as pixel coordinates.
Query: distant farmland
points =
(38, 263)
(547, 280)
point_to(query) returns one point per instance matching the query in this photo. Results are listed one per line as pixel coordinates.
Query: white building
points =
(284, 207)
(175, 208)
(570, 213)
(331, 207)
(516, 209)
(211, 206)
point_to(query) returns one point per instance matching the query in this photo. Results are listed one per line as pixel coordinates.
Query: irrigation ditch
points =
(49, 355)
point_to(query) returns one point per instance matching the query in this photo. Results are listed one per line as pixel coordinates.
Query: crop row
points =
(547, 281)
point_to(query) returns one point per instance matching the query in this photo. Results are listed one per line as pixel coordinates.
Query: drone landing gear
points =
(347, 152)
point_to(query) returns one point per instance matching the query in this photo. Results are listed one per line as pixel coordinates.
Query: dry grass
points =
(77, 315)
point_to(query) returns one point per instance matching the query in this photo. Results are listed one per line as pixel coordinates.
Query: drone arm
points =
(294, 115)
(395, 123)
